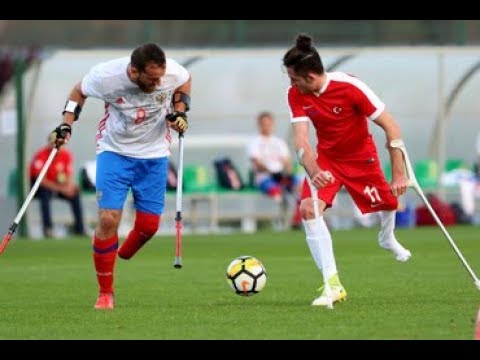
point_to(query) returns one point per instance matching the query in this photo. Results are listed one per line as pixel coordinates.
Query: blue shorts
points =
(147, 178)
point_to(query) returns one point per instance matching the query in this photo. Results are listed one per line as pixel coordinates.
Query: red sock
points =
(104, 255)
(146, 225)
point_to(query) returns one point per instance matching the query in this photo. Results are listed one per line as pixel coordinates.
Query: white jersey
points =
(134, 122)
(270, 151)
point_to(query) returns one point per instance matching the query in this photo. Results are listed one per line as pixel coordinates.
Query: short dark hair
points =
(303, 57)
(264, 114)
(145, 54)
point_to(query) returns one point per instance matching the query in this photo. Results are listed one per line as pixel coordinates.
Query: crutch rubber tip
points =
(177, 266)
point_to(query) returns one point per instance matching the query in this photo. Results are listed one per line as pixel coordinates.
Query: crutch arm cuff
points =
(395, 144)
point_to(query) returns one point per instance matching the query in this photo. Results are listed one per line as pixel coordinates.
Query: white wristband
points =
(72, 107)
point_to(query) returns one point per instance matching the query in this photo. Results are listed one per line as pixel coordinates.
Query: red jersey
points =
(339, 114)
(60, 169)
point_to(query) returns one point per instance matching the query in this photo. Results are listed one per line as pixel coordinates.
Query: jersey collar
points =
(324, 86)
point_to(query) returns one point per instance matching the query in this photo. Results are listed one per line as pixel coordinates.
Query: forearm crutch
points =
(177, 264)
(399, 144)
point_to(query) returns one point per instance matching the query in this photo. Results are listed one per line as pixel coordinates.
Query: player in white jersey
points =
(141, 93)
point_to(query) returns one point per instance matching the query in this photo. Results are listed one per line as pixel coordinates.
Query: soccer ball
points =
(246, 275)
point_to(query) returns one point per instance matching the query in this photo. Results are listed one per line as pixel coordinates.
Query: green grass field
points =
(47, 289)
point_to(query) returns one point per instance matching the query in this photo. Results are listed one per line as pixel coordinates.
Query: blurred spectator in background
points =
(272, 165)
(57, 182)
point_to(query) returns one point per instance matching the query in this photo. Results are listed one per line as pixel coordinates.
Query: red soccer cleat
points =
(104, 301)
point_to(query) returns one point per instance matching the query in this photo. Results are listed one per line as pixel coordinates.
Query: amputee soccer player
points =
(339, 106)
(133, 139)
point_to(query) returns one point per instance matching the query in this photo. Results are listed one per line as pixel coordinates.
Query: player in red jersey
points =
(339, 106)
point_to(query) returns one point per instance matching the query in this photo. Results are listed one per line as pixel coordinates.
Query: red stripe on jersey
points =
(102, 124)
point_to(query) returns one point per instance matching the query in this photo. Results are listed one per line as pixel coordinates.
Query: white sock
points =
(319, 241)
(386, 237)
(387, 221)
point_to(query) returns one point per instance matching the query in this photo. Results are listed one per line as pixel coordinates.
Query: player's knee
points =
(306, 209)
(109, 220)
(147, 224)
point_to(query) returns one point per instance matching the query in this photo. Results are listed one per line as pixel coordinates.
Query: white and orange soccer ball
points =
(246, 275)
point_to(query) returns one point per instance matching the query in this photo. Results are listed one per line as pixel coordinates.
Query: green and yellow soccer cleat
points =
(337, 292)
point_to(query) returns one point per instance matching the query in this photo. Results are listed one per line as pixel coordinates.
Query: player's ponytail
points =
(304, 43)
(303, 57)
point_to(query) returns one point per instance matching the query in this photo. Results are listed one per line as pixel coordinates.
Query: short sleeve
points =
(294, 104)
(367, 101)
(181, 73)
(92, 84)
